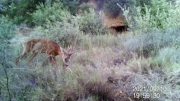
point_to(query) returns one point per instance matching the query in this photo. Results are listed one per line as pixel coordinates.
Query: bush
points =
(65, 32)
(158, 15)
(6, 33)
(91, 24)
(6, 30)
(84, 8)
(168, 58)
(71, 5)
(151, 42)
(19, 11)
(160, 39)
(48, 13)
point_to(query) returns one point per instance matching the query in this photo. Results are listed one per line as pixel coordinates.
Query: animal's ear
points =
(70, 48)
(70, 53)
(65, 52)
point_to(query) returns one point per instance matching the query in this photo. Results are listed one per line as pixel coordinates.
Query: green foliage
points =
(91, 24)
(155, 40)
(152, 15)
(66, 32)
(84, 7)
(143, 2)
(168, 58)
(158, 6)
(158, 10)
(5, 73)
(153, 4)
(71, 5)
(6, 30)
(48, 13)
(89, 67)
(150, 43)
(161, 16)
(19, 11)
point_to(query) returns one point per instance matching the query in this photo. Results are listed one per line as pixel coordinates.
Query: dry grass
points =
(102, 68)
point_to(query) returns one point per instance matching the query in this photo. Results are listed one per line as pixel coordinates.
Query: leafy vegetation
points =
(71, 5)
(19, 11)
(7, 30)
(47, 13)
(103, 66)
(91, 24)
(158, 17)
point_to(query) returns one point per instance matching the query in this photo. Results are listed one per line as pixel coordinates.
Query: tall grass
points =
(103, 66)
(100, 63)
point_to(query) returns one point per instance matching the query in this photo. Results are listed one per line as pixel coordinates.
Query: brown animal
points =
(49, 47)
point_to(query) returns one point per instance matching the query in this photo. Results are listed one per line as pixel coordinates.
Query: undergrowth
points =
(103, 67)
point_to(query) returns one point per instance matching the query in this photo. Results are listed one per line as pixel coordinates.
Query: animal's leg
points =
(26, 50)
(45, 63)
(52, 60)
(21, 56)
(32, 56)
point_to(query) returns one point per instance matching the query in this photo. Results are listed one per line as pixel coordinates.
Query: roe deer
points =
(49, 47)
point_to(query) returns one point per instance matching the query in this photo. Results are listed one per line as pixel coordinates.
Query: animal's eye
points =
(66, 59)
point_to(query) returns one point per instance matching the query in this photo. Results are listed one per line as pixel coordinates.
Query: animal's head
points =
(67, 53)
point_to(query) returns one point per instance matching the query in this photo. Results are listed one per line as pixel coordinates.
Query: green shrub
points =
(6, 30)
(151, 14)
(19, 10)
(160, 39)
(151, 42)
(48, 13)
(71, 5)
(84, 7)
(91, 24)
(65, 32)
(153, 4)
(167, 58)
(6, 33)
(158, 15)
